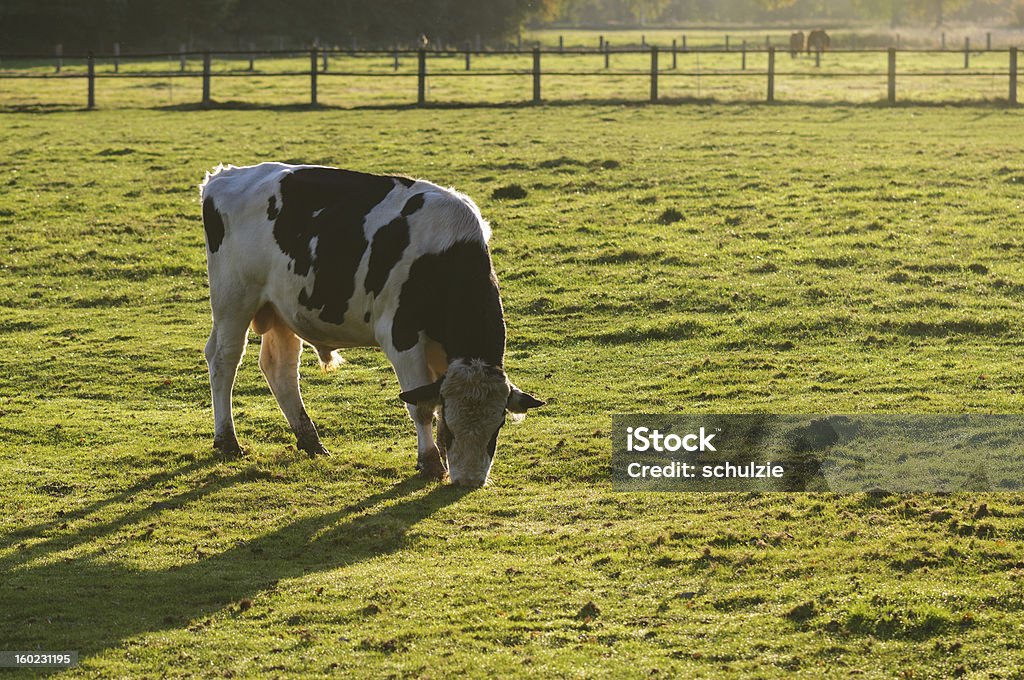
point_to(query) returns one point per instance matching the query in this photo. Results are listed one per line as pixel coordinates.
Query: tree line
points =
(37, 25)
(226, 24)
(753, 12)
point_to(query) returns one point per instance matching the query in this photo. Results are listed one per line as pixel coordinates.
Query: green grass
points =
(663, 259)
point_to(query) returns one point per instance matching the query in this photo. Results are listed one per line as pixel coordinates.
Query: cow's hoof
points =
(433, 473)
(430, 466)
(228, 447)
(314, 448)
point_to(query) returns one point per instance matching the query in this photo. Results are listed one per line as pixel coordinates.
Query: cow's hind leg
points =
(279, 361)
(224, 351)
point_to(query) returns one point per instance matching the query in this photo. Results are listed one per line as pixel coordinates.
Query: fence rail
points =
(663, 64)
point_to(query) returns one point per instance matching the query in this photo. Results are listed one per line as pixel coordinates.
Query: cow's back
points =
(330, 249)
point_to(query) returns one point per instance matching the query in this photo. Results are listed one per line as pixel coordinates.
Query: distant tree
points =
(899, 11)
(645, 10)
(774, 5)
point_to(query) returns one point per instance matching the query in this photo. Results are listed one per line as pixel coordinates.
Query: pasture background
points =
(933, 77)
(665, 259)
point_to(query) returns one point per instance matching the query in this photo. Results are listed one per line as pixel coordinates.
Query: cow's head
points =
(474, 397)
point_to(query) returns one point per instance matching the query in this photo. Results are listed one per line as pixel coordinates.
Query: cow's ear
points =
(521, 402)
(423, 393)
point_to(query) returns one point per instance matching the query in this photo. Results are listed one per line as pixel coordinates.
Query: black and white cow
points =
(338, 258)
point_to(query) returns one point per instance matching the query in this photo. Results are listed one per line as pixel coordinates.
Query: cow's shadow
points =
(90, 603)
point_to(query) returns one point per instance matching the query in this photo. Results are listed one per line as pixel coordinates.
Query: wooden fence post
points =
(117, 57)
(607, 52)
(967, 52)
(467, 55)
(252, 57)
(561, 43)
(726, 42)
(892, 76)
(654, 73)
(312, 76)
(600, 43)
(59, 52)
(421, 78)
(536, 75)
(396, 59)
(771, 74)
(1013, 76)
(817, 57)
(684, 42)
(743, 59)
(206, 78)
(324, 59)
(92, 82)
(181, 57)
(673, 54)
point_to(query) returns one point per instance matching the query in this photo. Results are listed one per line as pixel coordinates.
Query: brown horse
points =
(796, 43)
(818, 41)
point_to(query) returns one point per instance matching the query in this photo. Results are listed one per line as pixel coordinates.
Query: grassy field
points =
(665, 259)
(368, 81)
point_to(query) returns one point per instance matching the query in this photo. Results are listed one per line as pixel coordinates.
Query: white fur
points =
(475, 394)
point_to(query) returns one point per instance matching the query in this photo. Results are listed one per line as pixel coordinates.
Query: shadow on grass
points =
(90, 603)
(144, 484)
(234, 105)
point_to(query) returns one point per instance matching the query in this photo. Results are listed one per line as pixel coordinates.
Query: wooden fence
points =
(663, 63)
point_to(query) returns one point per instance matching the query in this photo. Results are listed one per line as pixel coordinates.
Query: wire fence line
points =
(664, 63)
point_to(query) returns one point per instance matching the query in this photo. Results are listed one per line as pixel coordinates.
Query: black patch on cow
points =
(272, 210)
(340, 246)
(213, 223)
(453, 298)
(412, 205)
(407, 181)
(389, 243)
(340, 199)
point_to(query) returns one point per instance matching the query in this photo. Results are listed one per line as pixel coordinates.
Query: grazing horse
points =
(796, 43)
(818, 41)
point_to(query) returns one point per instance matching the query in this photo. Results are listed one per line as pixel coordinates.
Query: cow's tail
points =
(210, 174)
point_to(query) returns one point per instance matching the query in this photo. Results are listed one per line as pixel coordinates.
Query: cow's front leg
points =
(429, 459)
(420, 391)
